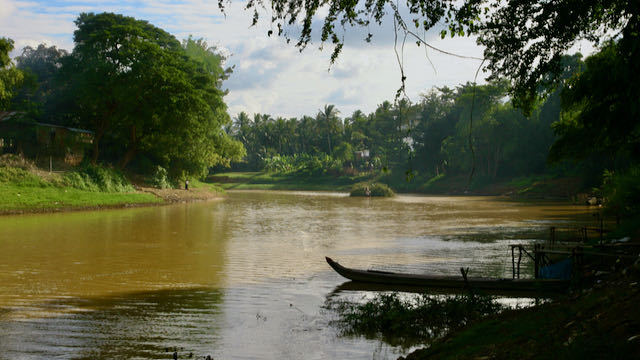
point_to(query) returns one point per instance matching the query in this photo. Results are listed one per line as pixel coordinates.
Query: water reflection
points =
(139, 325)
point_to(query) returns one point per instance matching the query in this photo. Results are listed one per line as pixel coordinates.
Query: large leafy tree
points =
(146, 97)
(11, 78)
(43, 64)
(601, 110)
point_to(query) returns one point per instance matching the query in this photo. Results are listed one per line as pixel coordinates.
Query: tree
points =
(44, 63)
(328, 117)
(209, 57)
(524, 40)
(143, 95)
(435, 125)
(11, 78)
(601, 109)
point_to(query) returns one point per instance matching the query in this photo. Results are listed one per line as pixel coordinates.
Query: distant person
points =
(367, 191)
(186, 184)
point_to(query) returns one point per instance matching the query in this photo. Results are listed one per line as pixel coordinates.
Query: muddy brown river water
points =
(239, 278)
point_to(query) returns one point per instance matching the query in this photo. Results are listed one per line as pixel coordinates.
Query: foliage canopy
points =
(147, 96)
(524, 40)
(11, 78)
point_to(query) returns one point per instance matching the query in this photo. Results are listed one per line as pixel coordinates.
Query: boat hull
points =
(434, 281)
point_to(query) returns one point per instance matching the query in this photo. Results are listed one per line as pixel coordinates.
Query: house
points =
(361, 154)
(63, 142)
(18, 134)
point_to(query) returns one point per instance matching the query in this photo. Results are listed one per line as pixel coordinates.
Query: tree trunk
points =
(131, 149)
(96, 146)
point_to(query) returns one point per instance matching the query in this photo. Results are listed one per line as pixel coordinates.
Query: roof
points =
(72, 129)
(8, 115)
(13, 115)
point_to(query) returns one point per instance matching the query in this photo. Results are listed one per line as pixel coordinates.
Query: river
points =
(239, 278)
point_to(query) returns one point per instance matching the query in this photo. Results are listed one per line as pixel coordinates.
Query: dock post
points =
(536, 255)
(513, 263)
(519, 259)
(601, 230)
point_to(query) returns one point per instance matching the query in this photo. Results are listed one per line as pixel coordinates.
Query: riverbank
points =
(601, 321)
(533, 187)
(27, 189)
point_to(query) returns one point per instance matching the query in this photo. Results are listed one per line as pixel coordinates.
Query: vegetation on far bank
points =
(372, 189)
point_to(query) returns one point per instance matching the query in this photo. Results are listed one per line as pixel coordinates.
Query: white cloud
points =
(270, 76)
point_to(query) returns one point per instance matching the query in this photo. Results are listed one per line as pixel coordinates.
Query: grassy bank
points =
(532, 187)
(16, 199)
(27, 189)
(274, 181)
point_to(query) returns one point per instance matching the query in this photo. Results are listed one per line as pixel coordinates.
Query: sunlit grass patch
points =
(49, 197)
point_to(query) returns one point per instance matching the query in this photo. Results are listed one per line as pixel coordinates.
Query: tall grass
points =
(97, 178)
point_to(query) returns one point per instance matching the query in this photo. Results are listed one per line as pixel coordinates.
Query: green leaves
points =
(10, 77)
(147, 96)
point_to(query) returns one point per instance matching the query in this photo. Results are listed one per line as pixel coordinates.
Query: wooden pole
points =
(601, 230)
(519, 260)
(513, 264)
(536, 255)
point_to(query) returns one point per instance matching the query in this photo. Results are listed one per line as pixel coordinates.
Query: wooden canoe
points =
(436, 281)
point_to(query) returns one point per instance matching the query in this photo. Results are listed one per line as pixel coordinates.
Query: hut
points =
(36, 140)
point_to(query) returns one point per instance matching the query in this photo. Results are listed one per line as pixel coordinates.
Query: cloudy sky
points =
(270, 76)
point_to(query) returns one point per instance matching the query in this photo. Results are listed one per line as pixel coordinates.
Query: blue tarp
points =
(559, 270)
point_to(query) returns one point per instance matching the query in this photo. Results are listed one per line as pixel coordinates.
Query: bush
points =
(160, 178)
(374, 189)
(622, 192)
(279, 164)
(16, 161)
(20, 177)
(97, 178)
(303, 164)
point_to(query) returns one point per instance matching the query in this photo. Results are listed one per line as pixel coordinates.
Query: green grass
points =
(197, 184)
(34, 198)
(26, 190)
(277, 181)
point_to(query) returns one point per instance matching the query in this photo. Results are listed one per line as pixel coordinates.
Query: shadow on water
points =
(355, 286)
(143, 325)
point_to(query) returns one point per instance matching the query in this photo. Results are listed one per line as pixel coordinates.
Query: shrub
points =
(622, 192)
(160, 178)
(20, 177)
(374, 189)
(16, 161)
(97, 178)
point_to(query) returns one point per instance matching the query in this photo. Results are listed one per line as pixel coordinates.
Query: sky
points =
(270, 76)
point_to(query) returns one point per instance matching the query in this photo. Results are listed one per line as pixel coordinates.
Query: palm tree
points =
(329, 117)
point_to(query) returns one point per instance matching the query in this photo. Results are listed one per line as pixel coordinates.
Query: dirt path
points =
(181, 195)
